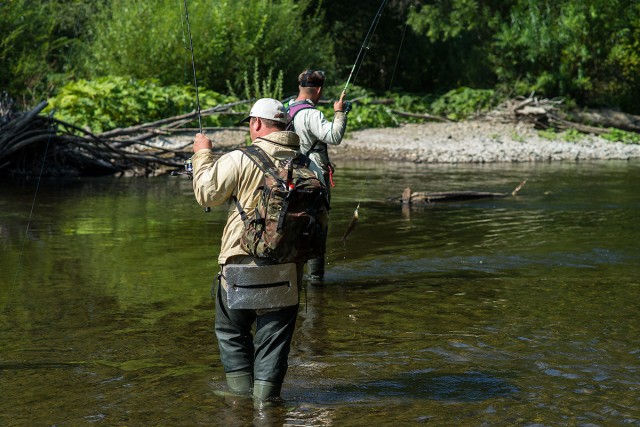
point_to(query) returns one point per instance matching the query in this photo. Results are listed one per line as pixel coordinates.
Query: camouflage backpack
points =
(291, 216)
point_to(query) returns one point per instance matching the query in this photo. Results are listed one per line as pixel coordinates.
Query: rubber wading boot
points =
(240, 382)
(266, 390)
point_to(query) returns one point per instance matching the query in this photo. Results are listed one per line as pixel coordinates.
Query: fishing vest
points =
(293, 110)
(296, 108)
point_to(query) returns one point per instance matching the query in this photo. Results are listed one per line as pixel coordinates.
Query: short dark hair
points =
(272, 123)
(311, 78)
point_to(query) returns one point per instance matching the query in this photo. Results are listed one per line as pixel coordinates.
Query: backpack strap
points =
(259, 157)
(266, 165)
(295, 108)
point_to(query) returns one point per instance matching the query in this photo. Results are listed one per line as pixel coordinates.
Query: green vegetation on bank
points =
(116, 62)
(112, 102)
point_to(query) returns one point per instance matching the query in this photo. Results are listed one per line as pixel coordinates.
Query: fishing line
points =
(358, 64)
(393, 73)
(33, 204)
(193, 63)
(184, 40)
(365, 44)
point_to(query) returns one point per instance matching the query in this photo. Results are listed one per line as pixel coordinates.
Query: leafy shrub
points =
(37, 40)
(139, 38)
(259, 87)
(460, 103)
(618, 135)
(572, 135)
(112, 102)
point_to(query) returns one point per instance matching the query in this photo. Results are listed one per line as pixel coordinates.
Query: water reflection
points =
(467, 386)
(508, 311)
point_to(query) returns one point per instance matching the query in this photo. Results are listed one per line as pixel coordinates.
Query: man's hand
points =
(202, 142)
(339, 104)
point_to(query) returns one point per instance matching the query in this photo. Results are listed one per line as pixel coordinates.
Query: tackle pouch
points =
(260, 286)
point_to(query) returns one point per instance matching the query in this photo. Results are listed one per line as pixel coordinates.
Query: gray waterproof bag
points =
(258, 287)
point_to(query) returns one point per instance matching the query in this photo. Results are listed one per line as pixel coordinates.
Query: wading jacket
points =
(311, 125)
(215, 182)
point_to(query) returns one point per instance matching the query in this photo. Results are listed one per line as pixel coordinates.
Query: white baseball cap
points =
(269, 108)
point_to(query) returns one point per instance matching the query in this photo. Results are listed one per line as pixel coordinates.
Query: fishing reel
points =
(188, 170)
(348, 105)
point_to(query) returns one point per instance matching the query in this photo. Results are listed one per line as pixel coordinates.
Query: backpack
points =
(295, 109)
(292, 213)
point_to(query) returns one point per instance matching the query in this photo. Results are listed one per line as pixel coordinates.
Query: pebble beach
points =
(472, 141)
(476, 142)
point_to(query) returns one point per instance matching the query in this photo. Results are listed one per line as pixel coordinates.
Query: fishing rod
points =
(365, 45)
(188, 165)
(193, 64)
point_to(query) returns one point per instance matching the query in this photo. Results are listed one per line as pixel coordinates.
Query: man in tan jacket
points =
(260, 363)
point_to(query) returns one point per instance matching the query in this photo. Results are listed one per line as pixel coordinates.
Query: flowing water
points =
(509, 311)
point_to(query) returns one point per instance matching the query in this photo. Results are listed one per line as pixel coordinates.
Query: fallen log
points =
(605, 118)
(420, 198)
(34, 144)
(546, 113)
(421, 116)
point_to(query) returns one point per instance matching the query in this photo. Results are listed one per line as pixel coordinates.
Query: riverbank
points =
(475, 141)
(472, 141)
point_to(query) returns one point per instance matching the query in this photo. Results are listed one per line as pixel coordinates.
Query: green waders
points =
(262, 358)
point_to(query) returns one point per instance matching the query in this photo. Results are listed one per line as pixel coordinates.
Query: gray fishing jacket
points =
(311, 125)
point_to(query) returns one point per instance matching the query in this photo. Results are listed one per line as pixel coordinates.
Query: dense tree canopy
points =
(588, 50)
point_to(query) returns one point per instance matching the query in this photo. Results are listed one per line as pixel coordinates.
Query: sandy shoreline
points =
(475, 141)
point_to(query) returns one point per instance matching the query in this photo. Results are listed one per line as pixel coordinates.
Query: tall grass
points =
(140, 39)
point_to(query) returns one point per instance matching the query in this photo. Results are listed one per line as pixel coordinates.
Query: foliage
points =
(369, 115)
(457, 104)
(565, 48)
(549, 134)
(572, 135)
(112, 102)
(622, 136)
(585, 49)
(141, 39)
(259, 87)
(38, 39)
(462, 102)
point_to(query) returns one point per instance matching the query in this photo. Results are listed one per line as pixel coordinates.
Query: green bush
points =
(463, 102)
(139, 38)
(111, 102)
(38, 39)
(618, 135)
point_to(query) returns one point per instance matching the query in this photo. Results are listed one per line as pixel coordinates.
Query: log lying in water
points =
(420, 198)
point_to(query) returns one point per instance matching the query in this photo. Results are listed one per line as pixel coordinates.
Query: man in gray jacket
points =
(316, 134)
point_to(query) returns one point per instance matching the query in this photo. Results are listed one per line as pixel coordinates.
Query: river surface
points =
(508, 311)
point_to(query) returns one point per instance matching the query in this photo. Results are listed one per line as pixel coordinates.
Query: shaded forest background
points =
(587, 51)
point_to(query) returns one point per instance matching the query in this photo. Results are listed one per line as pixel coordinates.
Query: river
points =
(507, 311)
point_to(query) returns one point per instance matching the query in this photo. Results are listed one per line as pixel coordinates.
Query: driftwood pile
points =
(546, 113)
(41, 145)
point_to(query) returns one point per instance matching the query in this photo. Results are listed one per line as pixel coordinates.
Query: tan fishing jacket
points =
(215, 182)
